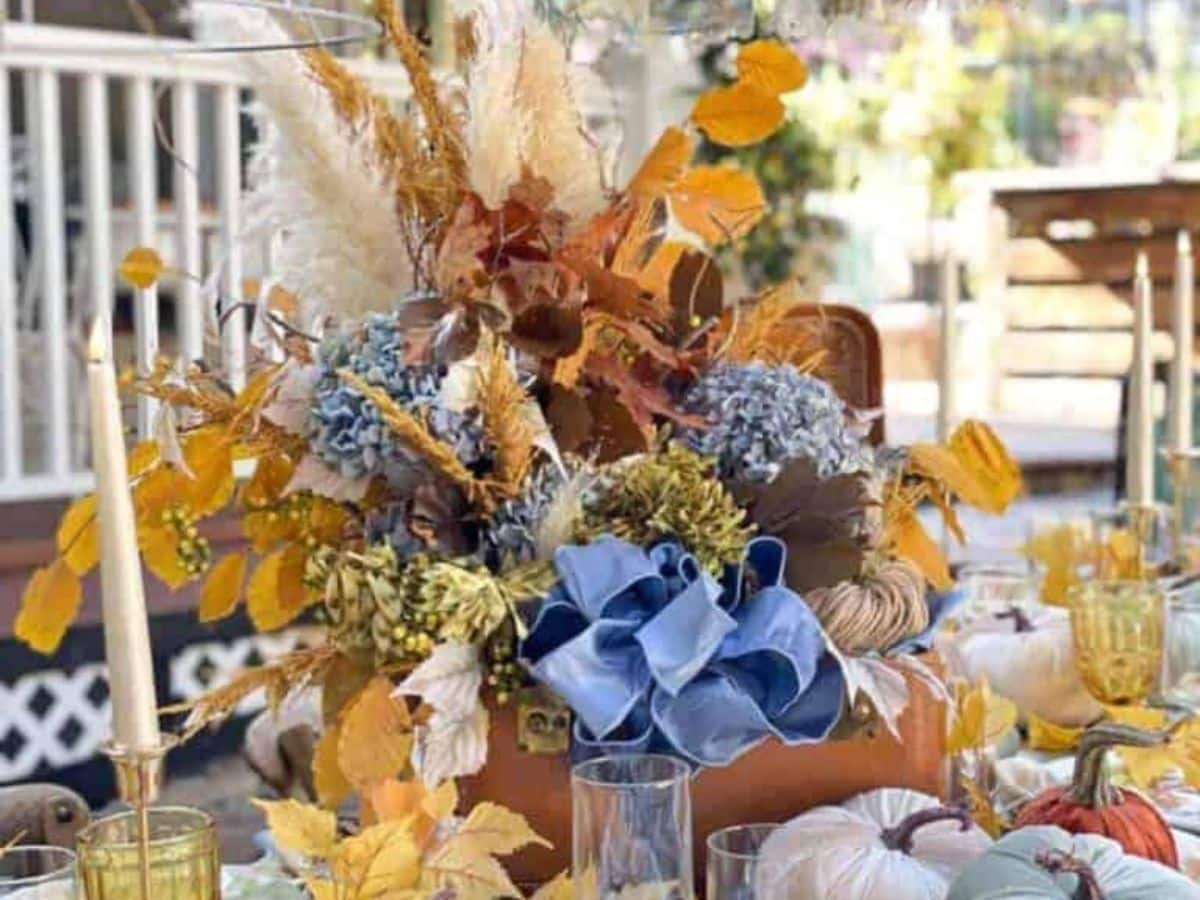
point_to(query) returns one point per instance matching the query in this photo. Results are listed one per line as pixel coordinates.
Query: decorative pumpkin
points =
(886, 844)
(1028, 658)
(1092, 805)
(1043, 861)
(876, 610)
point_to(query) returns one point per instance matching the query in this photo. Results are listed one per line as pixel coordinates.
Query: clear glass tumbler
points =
(632, 828)
(184, 857)
(1118, 633)
(37, 872)
(999, 587)
(733, 865)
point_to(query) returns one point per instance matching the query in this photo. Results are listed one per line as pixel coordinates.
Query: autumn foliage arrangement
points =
(484, 365)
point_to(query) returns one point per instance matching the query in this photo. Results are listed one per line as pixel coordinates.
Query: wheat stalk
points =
(501, 399)
(413, 432)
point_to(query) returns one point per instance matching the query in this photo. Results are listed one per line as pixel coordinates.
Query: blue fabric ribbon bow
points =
(652, 653)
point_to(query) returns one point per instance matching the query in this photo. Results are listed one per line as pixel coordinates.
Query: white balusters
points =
(229, 189)
(51, 253)
(10, 386)
(189, 312)
(144, 197)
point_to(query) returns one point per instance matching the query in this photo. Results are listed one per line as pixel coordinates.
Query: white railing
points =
(59, 248)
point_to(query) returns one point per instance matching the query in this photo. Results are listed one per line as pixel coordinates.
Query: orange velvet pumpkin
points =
(1092, 805)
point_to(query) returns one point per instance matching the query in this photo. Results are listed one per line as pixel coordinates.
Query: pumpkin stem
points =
(1022, 624)
(1056, 862)
(900, 836)
(1091, 787)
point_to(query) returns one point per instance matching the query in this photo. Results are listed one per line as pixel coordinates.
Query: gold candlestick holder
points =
(150, 852)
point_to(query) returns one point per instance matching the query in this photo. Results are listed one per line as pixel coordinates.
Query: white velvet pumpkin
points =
(1011, 869)
(844, 852)
(1035, 668)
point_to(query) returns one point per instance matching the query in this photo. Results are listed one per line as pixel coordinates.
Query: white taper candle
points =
(1183, 323)
(126, 628)
(1140, 432)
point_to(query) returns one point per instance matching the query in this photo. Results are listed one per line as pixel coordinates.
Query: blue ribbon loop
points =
(652, 653)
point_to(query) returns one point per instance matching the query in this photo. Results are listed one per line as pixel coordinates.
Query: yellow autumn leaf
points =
(383, 861)
(738, 115)
(1147, 765)
(911, 541)
(496, 830)
(255, 391)
(160, 554)
(222, 588)
(981, 453)
(982, 809)
(1059, 549)
(156, 489)
(663, 165)
(456, 868)
(441, 802)
(323, 889)
(332, 786)
(376, 735)
(301, 828)
(717, 203)
(78, 538)
(771, 66)
(49, 606)
(655, 275)
(1049, 737)
(208, 453)
(276, 594)
(142, 456)
(271, 475)
(982, 718)
(558, 888)
(393, 800)
(141, 267)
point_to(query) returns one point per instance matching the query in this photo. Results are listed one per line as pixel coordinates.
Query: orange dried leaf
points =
(738, 115)
(48, 607)
(376, 736)
(771, 66)
(718, 203)
(78, 539)
(912, 542)
(664, 165)
(655, 276)
(223, 588)
(271, 475)
(141, 267)
(142, 456)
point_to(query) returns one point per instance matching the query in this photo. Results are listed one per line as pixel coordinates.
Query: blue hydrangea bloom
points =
(348, 432)
(761, 416)
(510, 534)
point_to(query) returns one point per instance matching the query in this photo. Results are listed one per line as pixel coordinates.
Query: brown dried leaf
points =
(569, 417)
(697, 291)
(615, 433)
(548, 329)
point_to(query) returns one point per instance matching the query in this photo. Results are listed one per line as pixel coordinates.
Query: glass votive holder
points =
(184, 857)
(998, 587)
(1181, 653)
(631, 828)
(37, 872)
(734, 866)
(1117, 628)
(1129, 542)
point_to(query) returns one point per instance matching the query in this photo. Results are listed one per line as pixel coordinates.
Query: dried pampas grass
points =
(317, 182)
(524, 116)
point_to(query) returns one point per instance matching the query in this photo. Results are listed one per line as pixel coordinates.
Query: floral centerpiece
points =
(504, 429)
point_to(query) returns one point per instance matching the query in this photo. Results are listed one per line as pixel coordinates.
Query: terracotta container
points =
(771, 783)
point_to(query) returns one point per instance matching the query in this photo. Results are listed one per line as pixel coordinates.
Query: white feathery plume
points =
(556, 147)
(316, 181)
(524, 113)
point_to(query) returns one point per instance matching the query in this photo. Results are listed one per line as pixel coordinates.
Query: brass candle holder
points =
(150, 852)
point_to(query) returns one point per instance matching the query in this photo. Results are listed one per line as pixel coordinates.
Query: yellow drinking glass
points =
(1118, 635)
(184, 857)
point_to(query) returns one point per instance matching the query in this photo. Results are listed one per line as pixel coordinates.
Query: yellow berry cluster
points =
(191, 550)
(505, 676)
